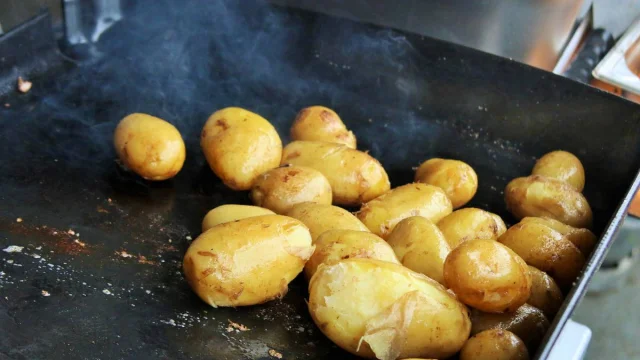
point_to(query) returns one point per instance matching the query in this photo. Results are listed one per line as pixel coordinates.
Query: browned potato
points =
(458, 180)
(318, 123)
(336, 245)
(382, 214)
(322, 217)
(420, 246)
(247, 262)
(494, 344)
(488, 276)
(355, 176)
(281, 188)
(231, 212)
(528, 323)
(471, 224)
(378, 309)
(546, 197)
(149, 146)
(583, 239)
(563, 166)
(239, 146)
(546, 249)
(545, 293)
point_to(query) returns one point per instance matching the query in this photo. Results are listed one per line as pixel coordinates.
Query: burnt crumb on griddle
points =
(24, 85)
(275, 354)
(238, 326)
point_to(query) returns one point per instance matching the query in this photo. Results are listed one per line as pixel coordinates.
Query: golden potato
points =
(458, 180)
(545, 293)
(319, 123)
(546, 197)
(231, 212)
(322, 217)
(488, 276)
(546, 249)
(247, 262)
(563, 166)
(528, 323)
(583, 239)
(471, 224)
(336, 245)
(494, 344)
(149, 146)
(239, 146)
(378, 309)
(420, 246)
(281, 188)
(382, 214)
(355, 176)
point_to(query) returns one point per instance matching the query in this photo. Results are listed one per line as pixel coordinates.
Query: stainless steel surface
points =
(617, 67)
(530, 31)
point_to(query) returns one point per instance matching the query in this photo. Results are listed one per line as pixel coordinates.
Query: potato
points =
(336, 245)
(583, 239)
(528, 323)
(322, 217)
(281, 188)
(458, 180)
(318, 123)
(545, 197)
(471, 224)
(420, 246)
(247, 262)
(149, 146)
(228, 213)
(382, 214)
(488, 276)
(545, 293)
(355, 176)
(563, 166)
(378, 309)
(239, 146)
(546, 249)
(494, 344)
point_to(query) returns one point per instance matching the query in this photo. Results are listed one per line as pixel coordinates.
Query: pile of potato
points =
(404, 277)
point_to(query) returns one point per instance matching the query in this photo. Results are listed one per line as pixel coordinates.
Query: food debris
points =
(10, 261)
(238, 326)
(229, 329)
(189, 238)
(19, 220)
(124, 254)
(7, 105)
(13, 249)
(106, 292)
(71, 232)
(24, 85)
(100, 209)
(45, 293)
(79, 242)
(275, 354)
(143, 260)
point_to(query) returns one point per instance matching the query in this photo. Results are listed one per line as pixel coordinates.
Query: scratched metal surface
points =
(98, 274)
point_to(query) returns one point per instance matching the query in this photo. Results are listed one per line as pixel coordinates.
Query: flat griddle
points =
(99, 275)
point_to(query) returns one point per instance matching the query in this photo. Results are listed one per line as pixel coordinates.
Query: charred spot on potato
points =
(207, 272)
(207, 253)
(327, 116)
(223, 124)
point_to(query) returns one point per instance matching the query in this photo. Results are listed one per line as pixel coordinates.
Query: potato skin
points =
(563, 166)
(382, 214)
(458, 180)
(322, 217)
(231, 212)
(528, 323)
(149, 146)
(281, 188)
(247, 262)
(319, 123)
(546, 197)
(239, 146)
(583, 239)
(488, 276)
(337, 245)
(494, 344)
(546, 249)
(355, 176)
(374, 308)
(420, 246)
(471, 224)
(545, 293)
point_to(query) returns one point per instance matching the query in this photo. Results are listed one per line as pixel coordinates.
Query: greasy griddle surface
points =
(114, 289)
